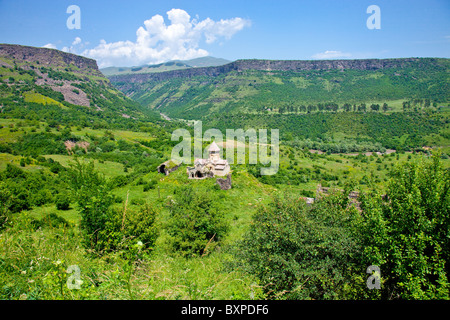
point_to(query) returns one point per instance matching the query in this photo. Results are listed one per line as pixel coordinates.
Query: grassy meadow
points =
(37, 259)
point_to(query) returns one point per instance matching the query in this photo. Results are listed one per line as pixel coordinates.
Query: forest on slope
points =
(399, 103)
(246, 86)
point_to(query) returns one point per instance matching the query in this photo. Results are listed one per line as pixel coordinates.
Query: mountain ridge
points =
(258, 85)
(47, 57)
(277, 65)
(47, 78)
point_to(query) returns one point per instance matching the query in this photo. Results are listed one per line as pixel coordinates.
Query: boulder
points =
(224, 184)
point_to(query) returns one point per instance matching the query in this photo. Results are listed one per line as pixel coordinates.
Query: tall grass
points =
(34, 263)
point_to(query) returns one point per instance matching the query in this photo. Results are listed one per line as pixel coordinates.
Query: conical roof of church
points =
(213, 147)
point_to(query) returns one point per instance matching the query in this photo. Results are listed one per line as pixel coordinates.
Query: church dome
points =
(213, 147)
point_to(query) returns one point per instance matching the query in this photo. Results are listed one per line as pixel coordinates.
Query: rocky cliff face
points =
(49, 58)
(41, 74)
(275, 65)
(302, 65)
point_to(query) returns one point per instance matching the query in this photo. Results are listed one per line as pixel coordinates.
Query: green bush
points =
(196, 224)
(301, 252)
(5, 203)
(62, 202)
(150, 185)
(126, 228)
(406, 233)
(119, 181)
(92, 194)
(41, 197)
(50, 220)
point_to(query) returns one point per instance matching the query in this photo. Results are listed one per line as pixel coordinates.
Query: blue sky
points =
(134, 32)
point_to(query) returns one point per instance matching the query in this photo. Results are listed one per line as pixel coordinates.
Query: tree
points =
(407, 234)
(375, 107)
(92, 194)
(299, 252)
(5, 202)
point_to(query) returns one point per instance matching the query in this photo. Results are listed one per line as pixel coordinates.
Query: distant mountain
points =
(206, 62)
(166, 66)
(154, 68)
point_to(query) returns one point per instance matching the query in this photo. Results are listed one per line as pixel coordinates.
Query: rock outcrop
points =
(224, 184)
(46, 57)
(56, 77)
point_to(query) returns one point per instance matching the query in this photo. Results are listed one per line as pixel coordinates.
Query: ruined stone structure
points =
(224, 184)
(208, 168)
(167, 167)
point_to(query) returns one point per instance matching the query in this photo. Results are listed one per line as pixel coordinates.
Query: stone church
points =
(208, 168)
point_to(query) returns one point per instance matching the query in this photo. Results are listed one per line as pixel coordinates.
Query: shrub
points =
(5, 203)
(196, 224)
(307, 193)
(119, 181)
(300, 252)
(408, 235)
(41, 197)
(20, 199)
(62, 202)
(92, 194)
(150, 185)
(127, 227)
(56, 167)
(50, 220)
(137, 201)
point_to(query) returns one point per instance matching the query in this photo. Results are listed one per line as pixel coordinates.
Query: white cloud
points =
(49, 46)
(330, 54)
(157, 42)
(76, 41)
(77, 45)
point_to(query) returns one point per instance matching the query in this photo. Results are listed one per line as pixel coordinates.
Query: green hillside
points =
(52, 85)
(191, 96)
(80, 190)
(393, 103)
